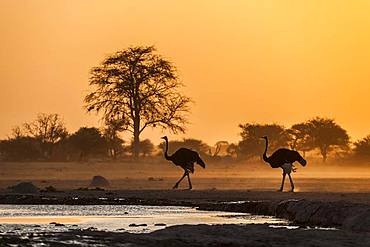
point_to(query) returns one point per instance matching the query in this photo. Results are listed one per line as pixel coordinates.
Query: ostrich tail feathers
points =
(201, 162)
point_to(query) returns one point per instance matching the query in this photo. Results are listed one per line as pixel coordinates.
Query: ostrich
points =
(283, 158)
(184, 158)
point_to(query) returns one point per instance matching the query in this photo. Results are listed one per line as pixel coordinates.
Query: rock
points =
(56, 224)
(99, 181)
(91, 229)
(49, 189)
(160, 224)
(24, 188)
(137, 225)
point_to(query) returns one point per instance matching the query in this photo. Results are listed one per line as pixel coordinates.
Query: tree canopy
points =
(87, 141)
(140, 89)
(193, 144)
(251, 143)
(362, 148)
(327, 135)
(47, 129)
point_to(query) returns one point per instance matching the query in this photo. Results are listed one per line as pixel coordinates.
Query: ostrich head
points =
(164, 138)
(264, 137)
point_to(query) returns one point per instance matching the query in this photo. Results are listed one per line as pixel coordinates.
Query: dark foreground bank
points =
(194, 235)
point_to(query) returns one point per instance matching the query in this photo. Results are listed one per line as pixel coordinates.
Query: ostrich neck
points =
(265, 158)
(165, 152)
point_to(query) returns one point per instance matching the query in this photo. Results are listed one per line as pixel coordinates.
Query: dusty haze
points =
(262, 61)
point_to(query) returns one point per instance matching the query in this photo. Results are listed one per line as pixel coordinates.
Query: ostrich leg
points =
(291, 183)
(282, 182)
(178, 182)
(190, 186)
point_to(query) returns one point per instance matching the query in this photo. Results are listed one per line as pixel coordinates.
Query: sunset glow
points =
(241, 61)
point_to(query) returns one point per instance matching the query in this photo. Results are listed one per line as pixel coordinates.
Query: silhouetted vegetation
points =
(321, 134)
(138, 89)
(35, 140)
(326, 135)
(220, 148)
(113, 141)
(299, 136)
(47, 139)
(251, 144)
(87, 142)
(362, 148)
(146, 148)
(20, 148)
(46, 129)
(193, 144)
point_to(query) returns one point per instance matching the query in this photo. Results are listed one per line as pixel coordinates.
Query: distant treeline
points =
(47, 139)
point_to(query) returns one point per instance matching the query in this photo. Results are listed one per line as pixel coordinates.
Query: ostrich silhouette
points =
(185, 158)
(283, 158)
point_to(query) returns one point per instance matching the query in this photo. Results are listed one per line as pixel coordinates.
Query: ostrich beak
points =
(163, 137)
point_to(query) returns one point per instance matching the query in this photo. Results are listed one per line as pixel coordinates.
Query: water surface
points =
(24, 218)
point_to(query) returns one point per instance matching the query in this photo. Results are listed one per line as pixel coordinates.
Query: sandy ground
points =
(159, 175)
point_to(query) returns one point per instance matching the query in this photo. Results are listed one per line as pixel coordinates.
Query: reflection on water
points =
(130, 218)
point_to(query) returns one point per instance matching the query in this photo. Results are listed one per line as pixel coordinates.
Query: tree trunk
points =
(136, 148)
(324, 154)
(324, 157)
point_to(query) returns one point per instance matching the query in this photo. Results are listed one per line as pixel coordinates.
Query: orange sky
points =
(242, 61)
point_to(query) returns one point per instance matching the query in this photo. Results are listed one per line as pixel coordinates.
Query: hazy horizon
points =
(241, 61)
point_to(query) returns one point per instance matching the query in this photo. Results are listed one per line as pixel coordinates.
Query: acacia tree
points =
(87, 141)
(48, 129)
(362, 148)
(233, 150)
(193, 144)
(251, 143)
(300, 136)
(327, 135)
(219, 146)
(141, 89)
(146, 147)
(20, 149)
